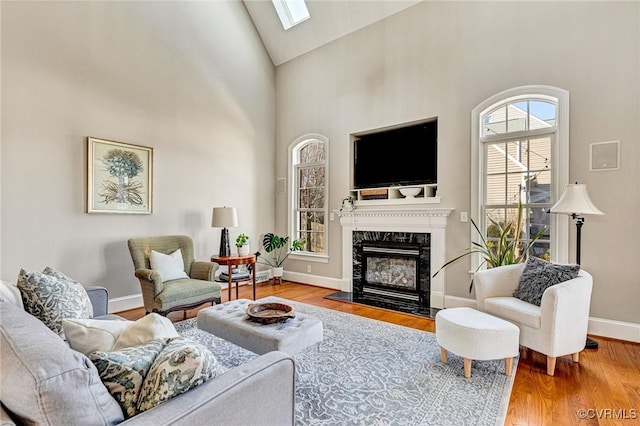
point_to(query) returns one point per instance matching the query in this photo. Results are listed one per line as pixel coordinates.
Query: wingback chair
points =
(555, 328)
(178, 294)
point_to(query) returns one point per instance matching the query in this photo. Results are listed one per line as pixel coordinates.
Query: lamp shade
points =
(575, 200)
(224, 217)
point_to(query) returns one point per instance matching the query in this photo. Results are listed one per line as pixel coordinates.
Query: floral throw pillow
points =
(51, 297)
(538, 275)
(143, 376)
(84, 302)
(123, 372)
(182, 365)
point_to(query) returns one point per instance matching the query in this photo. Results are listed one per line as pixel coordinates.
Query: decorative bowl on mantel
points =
(410, 192)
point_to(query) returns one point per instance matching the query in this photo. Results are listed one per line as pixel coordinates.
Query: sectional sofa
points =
(43, 381)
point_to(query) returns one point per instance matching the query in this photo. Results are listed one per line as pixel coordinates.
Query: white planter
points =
(244, 250)
(277, 271)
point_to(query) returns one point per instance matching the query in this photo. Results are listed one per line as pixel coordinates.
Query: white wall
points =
(190, 79)
(444, 58)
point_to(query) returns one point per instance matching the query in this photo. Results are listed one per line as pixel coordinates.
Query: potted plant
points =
(506, 250)
(242, 243)
(277, 249)
(348, 203)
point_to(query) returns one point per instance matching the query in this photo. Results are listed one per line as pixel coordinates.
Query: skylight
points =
(291, 12)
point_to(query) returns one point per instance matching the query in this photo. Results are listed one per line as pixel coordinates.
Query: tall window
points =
(309, 188)
(521, 160)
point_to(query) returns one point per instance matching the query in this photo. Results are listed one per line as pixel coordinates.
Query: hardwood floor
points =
(602, 389)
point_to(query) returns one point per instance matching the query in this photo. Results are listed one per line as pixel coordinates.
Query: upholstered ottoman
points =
(472, 334)
(231, 322)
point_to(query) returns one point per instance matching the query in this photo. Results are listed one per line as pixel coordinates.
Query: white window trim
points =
(560, 171)
(314, 257)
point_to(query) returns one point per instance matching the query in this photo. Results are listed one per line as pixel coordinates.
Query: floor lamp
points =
(575, 202)
(224, 217)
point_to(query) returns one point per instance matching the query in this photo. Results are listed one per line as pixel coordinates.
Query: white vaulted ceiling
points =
(329, 21)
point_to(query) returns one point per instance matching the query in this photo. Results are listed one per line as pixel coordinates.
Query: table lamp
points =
(575, 202)
(224, 217)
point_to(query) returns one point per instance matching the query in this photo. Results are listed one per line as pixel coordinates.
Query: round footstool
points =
(472, 334)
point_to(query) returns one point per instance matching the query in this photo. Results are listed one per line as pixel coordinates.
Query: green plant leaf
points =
(277, 249)
(505, 246)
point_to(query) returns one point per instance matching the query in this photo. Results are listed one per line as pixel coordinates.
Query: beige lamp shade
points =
(575, 200)
(224, 217)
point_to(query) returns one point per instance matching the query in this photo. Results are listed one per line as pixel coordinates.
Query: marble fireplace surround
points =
(426, 220)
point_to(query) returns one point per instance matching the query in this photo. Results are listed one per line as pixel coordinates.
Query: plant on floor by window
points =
(504, 248)
(277, 249)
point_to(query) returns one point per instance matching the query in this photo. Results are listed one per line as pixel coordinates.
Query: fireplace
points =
(403, 220)
(391, 270)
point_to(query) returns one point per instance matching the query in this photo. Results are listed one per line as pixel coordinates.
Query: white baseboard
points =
(298, 277)
(614, 329)
(119, 304)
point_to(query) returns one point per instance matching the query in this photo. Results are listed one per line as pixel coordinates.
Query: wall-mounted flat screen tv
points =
(405, 155)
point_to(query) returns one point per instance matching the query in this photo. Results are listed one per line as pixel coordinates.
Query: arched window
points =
(520, 156)
(309, 182)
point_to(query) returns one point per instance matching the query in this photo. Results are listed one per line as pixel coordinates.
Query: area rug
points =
(371, 373)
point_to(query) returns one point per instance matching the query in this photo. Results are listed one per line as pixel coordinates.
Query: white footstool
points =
(231, 322)
(472, 334)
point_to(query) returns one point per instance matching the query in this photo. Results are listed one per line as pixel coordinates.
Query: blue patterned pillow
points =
(143, 376)
(82, 298)
(123, 372)
(538, 275)
(51, 297)
(182, 365)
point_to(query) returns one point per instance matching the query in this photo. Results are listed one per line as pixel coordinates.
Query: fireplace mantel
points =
(426, 220)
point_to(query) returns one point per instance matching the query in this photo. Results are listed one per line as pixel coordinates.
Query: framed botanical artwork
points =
(119, 177)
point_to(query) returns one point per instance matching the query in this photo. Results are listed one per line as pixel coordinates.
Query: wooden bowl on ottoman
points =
(269, 313)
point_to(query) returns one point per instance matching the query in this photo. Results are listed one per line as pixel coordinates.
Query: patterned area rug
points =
(367, 372)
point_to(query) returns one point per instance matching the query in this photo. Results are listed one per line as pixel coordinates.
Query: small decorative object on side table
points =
(242, 243)
(231, 261)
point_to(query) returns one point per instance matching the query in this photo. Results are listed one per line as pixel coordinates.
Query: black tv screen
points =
(401, 156)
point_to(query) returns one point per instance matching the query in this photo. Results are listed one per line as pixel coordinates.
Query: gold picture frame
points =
(119, 177)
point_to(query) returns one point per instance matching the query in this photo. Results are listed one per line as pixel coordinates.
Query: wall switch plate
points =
(308, 268)
(464, 217)
(332, 216)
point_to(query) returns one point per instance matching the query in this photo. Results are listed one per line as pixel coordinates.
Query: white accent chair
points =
(555, 328)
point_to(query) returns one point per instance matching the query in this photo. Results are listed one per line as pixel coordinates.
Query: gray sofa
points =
(39, 377)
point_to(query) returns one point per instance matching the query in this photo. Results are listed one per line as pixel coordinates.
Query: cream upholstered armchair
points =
(555, 328)
(195, 287)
